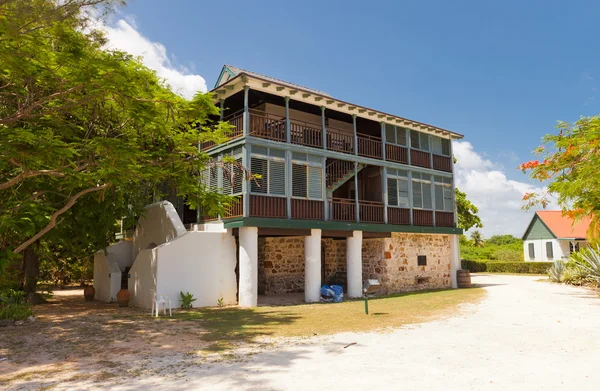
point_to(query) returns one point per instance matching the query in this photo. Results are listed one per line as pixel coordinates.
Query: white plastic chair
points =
(161, 300)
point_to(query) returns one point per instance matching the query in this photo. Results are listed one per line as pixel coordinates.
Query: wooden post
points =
(453, 186)
(385, 193)
(246, 118)
(408, 147)
(326, 203)
(222, 106)
(355, 135)
(433, 198)
(357, 208)
(410, 196)
(288, 136)
(323, 129)
(383, 140)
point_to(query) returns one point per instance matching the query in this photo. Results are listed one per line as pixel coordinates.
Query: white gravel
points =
(525, 335)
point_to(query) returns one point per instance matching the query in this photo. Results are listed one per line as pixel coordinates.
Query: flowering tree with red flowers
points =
(570, 161)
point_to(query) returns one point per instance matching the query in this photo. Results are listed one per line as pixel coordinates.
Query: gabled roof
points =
(234, 71)
(228, 83)
(561, 226)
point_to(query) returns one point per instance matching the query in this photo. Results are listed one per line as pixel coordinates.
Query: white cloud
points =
(498, 198)
(123, 35)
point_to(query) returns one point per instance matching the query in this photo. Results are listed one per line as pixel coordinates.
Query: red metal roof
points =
(562, 226)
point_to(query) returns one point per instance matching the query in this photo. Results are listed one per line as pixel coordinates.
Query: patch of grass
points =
(225, 327)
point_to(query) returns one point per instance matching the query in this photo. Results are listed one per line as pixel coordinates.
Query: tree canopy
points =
(568, 162)
(87, 135)
(467, 212)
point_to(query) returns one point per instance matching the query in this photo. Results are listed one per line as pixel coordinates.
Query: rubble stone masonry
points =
(393, 261)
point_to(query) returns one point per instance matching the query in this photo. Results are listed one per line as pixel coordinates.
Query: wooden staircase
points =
(339, 172)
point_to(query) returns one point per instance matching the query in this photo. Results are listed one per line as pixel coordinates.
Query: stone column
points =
(455, 259)
(312, 266)
(354, 264)
(248, 268)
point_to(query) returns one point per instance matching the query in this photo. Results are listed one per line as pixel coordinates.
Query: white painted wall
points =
(142, 283)
(455, 260)
(122, 253)
(107, 277)
(159, 224)
(202, 263)
(560, 249)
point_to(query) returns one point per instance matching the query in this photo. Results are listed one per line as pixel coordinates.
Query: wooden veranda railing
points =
(340, 141)
(423, 217)
(305, 133)
(444, 219)
(419, 158)
(307, 209)
(400, 216)
(336, 170)
(442, 163)
(234, 209)
(268, 206)
(342, 209)
(369, 146)
(268, 126)
(370, 211)
(396, 153)
(236, 120)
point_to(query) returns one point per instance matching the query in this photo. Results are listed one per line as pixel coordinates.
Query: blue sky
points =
(501, 73)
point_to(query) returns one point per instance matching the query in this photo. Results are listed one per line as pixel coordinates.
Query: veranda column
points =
(312, 266)
(354, 264)
(454, 259)
(248, 289)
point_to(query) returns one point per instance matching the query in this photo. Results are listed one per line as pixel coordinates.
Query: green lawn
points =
(224, 326)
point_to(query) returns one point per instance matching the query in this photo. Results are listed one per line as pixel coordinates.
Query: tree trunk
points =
(31, 271)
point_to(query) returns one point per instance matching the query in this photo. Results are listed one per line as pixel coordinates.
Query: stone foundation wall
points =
(280, 265)
(393, 261)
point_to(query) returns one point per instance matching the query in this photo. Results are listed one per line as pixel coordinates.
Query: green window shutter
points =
(238, 177)
(401, 136)
(531, 251)
(427, 199)
(436, 145)
(390, 134)
(549, 250)
(276, 177)
(415, 140)
(445, 147)
(448, 200)
(439, 197)
(392, 189)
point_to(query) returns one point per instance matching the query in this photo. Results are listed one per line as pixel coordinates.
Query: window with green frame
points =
(395, 135)
(440, 146)
(421, 191)
(444, 200)
(419, 140)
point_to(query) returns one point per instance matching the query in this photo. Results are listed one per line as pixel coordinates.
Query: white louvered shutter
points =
(403, 194)
(315, 182)
(417, 195)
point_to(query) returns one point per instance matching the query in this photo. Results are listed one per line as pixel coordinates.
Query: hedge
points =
(506, 267)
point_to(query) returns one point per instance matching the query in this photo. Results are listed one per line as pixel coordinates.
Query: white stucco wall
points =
(202, 263)
(122, 253)
(142, 280)
(107, 277)
(159, 224)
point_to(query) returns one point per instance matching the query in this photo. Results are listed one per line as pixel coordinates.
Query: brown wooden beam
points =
(335, 234)
(372, 235)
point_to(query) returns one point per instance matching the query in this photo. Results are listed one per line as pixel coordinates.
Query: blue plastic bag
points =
(338, 296)
(327, 291)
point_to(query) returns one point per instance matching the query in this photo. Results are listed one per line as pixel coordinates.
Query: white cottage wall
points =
(107, 277)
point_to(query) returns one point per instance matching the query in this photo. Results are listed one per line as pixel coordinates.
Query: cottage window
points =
(531, 251)
(549, 250)
(573, 247)
(421, 185)
(422, 260)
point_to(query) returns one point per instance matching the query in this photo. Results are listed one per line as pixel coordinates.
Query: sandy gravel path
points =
(525, 335)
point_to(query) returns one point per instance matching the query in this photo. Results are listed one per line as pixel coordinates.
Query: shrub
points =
(588, 260)
(574, 275)
(186, 300)
(474, 266)
(519, 267)
(13, 306)
(556, 272)
(506, 267)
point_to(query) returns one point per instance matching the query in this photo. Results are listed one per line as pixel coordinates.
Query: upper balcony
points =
(288, 121)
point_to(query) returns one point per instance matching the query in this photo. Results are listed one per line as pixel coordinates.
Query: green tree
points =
(569, 163)
(467, 212)
(87, 135)
(501, 240)
(477, 238)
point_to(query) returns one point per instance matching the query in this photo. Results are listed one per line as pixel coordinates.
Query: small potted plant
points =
(123, 297)
(89, 292)
(186, 300)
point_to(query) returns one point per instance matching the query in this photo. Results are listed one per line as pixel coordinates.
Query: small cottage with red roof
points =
(552, 235)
